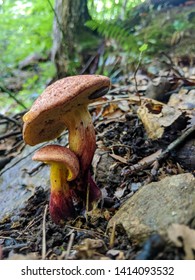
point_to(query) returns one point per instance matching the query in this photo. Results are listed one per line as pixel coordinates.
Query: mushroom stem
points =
(82, 140)
(64, 167)
(94, 192)
(61, 206)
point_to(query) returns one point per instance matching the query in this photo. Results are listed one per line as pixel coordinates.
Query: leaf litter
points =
(123, 141)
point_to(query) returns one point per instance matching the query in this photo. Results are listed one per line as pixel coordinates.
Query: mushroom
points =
(64, 104)
(64, 167)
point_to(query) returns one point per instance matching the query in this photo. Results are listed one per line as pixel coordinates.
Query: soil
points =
(23, 233)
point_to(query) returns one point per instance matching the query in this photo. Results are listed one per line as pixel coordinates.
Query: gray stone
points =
(17, 184)
(157, 205)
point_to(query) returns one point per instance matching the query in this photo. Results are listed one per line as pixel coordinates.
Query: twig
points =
(135, 73)
(3, 89)
(70, 242)
(175, 143)
(142, 164)
(19, 144)
(6, 135)
(32, 223)
(87, 231)
(30, 153)
(112, 236)
(87, 203)
(94, 57)
(10, 119)
(159, 157)
(44, 234)
(21, 159)
(35, 169)
(88, 63)
(16, 246)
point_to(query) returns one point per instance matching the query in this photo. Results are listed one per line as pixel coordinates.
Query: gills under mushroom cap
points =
(47, 117)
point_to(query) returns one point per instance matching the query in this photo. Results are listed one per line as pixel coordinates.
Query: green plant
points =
(26, 28)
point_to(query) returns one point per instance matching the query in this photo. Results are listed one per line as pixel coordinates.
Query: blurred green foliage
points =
(26, 28)
(130, 31)
(111, 9)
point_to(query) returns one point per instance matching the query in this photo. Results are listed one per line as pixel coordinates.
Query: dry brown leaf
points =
(90, 248)
(119, 192)
(183, 236)
(155, 116)
(115, 115)
(123, 105)
(109, 109)
(183, 100)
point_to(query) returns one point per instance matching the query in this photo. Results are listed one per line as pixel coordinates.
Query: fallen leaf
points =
(156, 116)
(183, 100)
(90, 248)
(183, 236)
(119, 192)
(109, 109)
(123, 105)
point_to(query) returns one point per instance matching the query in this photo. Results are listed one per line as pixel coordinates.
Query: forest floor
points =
(124, 143)
(145, 133)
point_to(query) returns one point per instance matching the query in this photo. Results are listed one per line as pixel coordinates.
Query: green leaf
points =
(143, 48)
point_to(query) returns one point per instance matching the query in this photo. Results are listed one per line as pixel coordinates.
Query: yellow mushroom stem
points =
(61, 205)
(58, 176)
(82, 140)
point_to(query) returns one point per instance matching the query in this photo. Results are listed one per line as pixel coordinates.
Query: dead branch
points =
(10, 119)
(3, 89)
(70, 242)
(6, 135)
(141, 165)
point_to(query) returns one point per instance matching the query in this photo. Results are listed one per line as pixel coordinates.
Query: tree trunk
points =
(69, 20)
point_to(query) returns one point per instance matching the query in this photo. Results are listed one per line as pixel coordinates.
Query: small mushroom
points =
(64, 104)
(64, 167)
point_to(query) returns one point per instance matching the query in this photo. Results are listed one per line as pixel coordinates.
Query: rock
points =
(17, 184)
(156, 206)
(157, 88)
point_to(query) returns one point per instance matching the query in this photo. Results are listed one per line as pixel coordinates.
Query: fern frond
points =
(112, 30)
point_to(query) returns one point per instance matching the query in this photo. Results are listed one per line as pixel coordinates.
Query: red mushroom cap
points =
(45, 120)
(58, 154)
